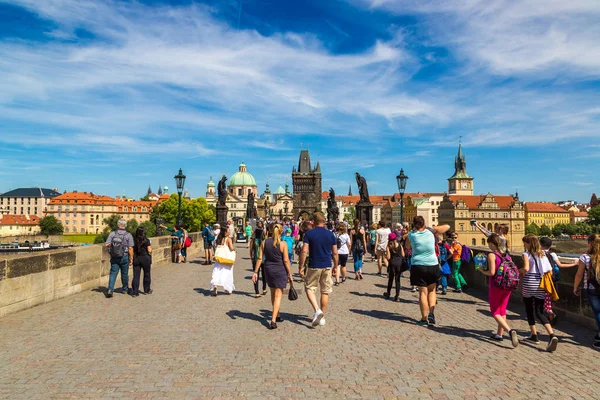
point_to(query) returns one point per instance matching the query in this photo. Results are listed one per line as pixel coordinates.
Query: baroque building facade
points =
(546, 214)
(459, 206)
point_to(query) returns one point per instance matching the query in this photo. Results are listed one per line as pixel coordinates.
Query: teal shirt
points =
(290, 243)
(423, 248)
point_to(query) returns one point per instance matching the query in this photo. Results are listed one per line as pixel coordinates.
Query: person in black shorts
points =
(425, 270)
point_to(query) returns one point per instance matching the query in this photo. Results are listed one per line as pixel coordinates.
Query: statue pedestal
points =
(222, 215)
(364, 213)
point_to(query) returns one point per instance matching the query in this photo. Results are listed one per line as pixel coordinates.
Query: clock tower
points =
(460, 183)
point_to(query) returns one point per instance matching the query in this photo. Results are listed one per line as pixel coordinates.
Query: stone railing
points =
(29, 280)
(569, 307)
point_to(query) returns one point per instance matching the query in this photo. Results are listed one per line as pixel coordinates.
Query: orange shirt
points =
(456, 251)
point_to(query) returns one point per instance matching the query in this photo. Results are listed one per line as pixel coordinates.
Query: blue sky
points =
(111, 96)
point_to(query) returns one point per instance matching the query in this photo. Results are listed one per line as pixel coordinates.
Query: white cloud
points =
(180, 67)
(506, 36)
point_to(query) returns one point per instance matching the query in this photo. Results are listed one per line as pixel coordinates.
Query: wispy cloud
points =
(526, 36)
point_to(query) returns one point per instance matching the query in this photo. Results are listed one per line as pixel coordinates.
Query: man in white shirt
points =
(381, 242)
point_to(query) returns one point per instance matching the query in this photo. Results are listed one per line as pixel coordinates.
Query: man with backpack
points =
(120, 248)
(208, 235)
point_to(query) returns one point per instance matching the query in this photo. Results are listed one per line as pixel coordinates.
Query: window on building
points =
(66, 222)
(483, 242)
(74, 222)
(82, 230)
(473, 242)
(67, 229)
(240, 191)
(82, 222)
(462, 227)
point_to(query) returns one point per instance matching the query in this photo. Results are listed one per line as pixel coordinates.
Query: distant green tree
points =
(532, 229)
(583, 228)
(594, 216)
(132, 226)
(558, 229)
(145, 198)
(149, 227)
(112, 222)
(49, 225)
(545, 230)
(350, 216)
(167, 210)
(194, 213)
(570, 229)
(101, 238)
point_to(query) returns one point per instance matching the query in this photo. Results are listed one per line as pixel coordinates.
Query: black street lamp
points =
(180, 181)
(401, 179)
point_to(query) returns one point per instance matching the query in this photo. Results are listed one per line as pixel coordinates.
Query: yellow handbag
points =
(224, 256)
(548, 285)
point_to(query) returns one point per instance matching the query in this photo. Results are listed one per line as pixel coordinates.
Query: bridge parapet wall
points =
(32, 279)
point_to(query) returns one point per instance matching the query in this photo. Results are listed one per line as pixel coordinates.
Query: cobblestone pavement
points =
(181, 343)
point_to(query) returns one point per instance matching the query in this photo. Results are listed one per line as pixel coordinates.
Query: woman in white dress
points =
(222, 275)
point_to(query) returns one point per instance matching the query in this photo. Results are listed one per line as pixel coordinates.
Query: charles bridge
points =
(179, 342)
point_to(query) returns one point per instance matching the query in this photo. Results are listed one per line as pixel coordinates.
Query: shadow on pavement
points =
(453, 300)
(385, 315)
(235, 314)
(378, 296)
(293, 318)
(481, 335)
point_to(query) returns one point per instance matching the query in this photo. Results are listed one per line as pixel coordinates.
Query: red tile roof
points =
(503, 201)
(81, 198)
(18, 219)
(544, 207)
(583, 214)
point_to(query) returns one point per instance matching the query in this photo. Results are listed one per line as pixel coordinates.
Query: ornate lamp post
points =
(401, 179)
(180, 181)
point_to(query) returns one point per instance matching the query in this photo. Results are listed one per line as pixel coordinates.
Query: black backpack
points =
(116, 246)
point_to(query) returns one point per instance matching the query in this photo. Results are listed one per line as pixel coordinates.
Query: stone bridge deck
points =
(181, 343)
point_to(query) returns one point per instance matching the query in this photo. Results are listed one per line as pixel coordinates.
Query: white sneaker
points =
(317, 318)
(322, 322)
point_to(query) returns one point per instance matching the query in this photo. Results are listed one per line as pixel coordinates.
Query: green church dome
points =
(242, 178)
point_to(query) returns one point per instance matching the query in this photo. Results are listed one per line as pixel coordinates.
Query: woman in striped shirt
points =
(535, 264)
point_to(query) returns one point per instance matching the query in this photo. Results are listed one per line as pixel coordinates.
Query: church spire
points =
(349, 190)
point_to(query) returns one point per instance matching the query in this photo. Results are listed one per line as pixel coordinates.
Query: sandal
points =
(257, 295)
(264, 292)
(214, 292)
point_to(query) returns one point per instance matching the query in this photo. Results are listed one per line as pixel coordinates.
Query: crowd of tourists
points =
(432, 256)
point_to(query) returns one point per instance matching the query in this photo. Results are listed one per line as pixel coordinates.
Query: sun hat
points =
(392, 236)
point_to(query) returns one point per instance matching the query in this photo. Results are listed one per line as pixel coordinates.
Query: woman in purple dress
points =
(277, 269)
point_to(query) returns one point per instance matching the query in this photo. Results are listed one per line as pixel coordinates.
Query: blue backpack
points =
(555, 268)
(443, 253)
(210, 235)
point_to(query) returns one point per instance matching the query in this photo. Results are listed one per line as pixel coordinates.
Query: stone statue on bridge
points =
(222, 191)
(363, 190)
(333, 211)
(250, 209)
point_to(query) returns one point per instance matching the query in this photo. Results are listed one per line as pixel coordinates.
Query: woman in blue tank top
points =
(425, 270)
